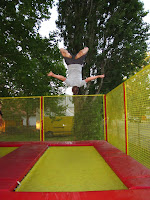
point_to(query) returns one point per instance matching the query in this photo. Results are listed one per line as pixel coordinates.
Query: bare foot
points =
(65, 53)
(50, 73)
(82, 52)
(85, 50)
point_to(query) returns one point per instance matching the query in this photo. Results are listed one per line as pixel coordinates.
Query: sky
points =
(50, 25)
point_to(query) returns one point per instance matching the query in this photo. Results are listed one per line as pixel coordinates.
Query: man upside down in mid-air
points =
(75, 64)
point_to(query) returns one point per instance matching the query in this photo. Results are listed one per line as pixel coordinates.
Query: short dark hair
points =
(75, 90)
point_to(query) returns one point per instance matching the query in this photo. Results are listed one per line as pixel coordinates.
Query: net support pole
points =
(41, 119)
(126, 119)
(105, 118)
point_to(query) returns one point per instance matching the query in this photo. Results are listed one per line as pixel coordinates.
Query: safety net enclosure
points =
(73, 118)
(78, 147)
(60, 118)
(128, 116)
(20, 117)
(138, 116)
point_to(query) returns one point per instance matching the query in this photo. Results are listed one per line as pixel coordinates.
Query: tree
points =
(115, 33)
(88, 118)
(26, 57)
(147, 59)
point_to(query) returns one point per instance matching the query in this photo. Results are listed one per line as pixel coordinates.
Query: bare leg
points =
(82, 52)
(62, 78)
(65, 53)
(94, 77)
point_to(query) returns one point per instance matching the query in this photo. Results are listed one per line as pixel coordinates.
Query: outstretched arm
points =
(62, 78)
(94, 77)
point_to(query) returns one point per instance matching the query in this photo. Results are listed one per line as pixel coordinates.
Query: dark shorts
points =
(72, 60)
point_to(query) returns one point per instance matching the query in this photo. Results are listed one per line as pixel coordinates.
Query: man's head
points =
(75, 90)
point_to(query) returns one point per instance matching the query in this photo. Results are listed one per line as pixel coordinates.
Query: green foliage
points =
(147, 59)
(54, 107)
(18, 108)
(88, 118)
(115, 33)
(25, 57)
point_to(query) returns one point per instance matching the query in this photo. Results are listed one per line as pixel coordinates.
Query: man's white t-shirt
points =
(75, 76)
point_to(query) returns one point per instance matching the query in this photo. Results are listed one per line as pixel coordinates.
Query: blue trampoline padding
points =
(15, 165)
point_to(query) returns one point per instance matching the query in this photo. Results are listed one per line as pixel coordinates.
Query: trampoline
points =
(78, 170)
(71, 170)
(5, 150)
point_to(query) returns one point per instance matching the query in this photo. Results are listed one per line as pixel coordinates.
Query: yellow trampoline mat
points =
(5, 150)
(70, 169)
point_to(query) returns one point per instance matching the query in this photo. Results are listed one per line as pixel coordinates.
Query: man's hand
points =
(102, 76)
(50, 73)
